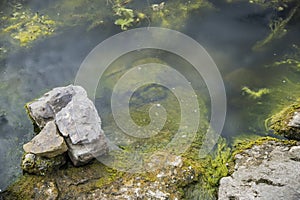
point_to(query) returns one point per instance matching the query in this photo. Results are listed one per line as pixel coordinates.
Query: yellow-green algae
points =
(27, 26)
(255, 94)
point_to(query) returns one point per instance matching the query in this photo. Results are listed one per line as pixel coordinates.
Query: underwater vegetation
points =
(279, 22)
(27, 27)
(255, 94)
(291, 60)
(277, 28)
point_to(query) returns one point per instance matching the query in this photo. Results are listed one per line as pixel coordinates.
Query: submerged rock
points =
(47, 143)
(69, 122)
(265, 171)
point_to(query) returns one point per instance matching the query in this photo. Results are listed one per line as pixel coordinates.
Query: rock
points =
(47, 143)
(295, 121)
(264, 172)
(38, 165)
(80, 123)
(83, 153)
(77, 121)
(287, 122)
(44, 109)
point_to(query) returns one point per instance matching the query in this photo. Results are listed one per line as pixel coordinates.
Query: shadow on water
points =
(228, 33)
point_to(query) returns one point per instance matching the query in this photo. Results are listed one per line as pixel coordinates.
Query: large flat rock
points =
(268, 171)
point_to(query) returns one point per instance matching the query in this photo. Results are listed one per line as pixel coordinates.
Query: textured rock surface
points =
(44, 109)
(77, 120)
(47, 143)
(268, 171)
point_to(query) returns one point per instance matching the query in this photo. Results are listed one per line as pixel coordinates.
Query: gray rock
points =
(268, 171)
(83, 153)
(79, 121)
(47, 143)
(44, 109)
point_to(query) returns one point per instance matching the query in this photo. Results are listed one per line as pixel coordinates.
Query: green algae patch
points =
(255, 94)
(27, 27)
(247, 142)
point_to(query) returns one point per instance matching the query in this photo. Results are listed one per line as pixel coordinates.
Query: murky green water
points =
(228, 31)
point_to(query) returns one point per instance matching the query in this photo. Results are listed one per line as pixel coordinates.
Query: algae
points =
(173, 14)
(27, 27)
(255, 94)
(278, 29)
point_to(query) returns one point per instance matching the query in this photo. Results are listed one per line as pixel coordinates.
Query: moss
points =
(240, 145)
(279, 121)
(23, 188)
(255, 94)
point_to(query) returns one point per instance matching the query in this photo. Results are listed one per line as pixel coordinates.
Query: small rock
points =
(47, 143)
(38, 165)
(295, 121)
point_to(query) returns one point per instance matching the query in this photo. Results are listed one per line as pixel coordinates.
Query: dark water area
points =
(228, 32)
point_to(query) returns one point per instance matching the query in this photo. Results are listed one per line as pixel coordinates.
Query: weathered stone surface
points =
(295, 121)
(83, 153)
(268, 171)
(35, 164)
(44, 109)
(79, 121)
(47, 143)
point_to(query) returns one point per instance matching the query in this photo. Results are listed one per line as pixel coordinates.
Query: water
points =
(228, 32)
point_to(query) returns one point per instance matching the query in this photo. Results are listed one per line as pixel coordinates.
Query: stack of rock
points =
(69, 122)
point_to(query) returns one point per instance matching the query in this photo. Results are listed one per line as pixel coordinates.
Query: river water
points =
(228, 32)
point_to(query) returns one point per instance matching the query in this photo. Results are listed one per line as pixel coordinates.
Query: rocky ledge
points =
(269, 170)
(266, 171)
